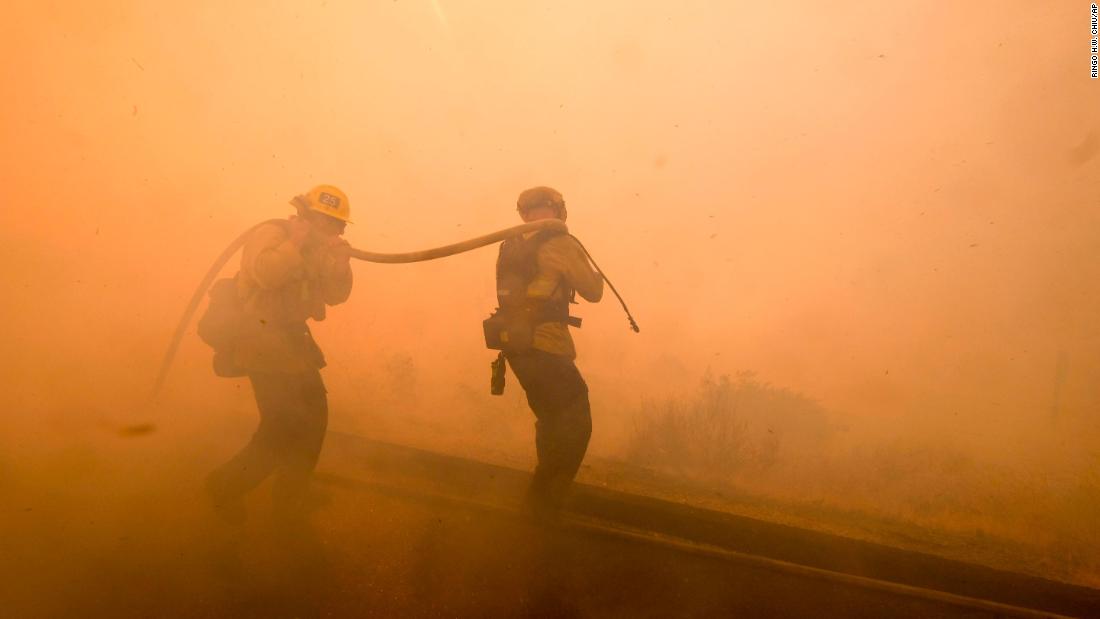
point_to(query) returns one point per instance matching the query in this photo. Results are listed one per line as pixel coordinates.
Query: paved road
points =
(403, 533)
(390, 554)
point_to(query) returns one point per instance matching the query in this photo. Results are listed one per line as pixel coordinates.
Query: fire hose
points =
(400, 258)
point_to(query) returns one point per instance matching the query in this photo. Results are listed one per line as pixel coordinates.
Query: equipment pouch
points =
(512, 331)
(225, 366)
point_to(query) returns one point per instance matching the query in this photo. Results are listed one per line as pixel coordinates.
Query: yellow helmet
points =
(327, 200)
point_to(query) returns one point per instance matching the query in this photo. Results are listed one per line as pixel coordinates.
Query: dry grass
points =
(743, 436)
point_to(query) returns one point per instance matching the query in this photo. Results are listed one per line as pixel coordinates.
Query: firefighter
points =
(538, 276)
(290, 271)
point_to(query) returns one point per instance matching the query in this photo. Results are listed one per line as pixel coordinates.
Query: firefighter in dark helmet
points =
(538, 276)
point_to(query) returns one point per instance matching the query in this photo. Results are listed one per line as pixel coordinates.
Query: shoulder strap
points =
(517, 266)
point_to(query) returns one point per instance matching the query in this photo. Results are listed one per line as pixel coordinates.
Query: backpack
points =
(220, 326)
(511, 328)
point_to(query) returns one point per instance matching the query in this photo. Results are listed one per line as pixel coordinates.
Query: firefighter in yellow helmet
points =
(537, 277)
(290, 272)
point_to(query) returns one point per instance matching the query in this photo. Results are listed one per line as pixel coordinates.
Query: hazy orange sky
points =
(891, 207)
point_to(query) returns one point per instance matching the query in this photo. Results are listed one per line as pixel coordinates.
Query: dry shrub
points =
(727, 427)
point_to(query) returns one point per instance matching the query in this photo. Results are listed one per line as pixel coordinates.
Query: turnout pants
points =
(558, 396)
(293, 420)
